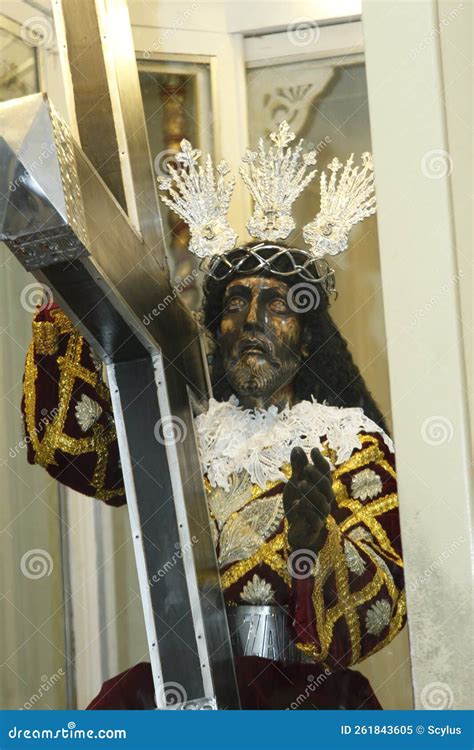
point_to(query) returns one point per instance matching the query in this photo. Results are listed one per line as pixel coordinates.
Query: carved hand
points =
(307, 499)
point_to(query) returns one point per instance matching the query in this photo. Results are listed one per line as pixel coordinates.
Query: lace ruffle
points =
(232, 439)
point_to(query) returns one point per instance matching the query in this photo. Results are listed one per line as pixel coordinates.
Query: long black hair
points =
(328, 372)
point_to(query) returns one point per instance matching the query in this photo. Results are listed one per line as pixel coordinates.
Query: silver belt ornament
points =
(262, 630)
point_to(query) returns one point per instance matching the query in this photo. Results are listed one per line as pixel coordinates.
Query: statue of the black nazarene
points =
(299, 471)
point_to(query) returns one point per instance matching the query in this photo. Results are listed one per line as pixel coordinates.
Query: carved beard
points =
(255, 375)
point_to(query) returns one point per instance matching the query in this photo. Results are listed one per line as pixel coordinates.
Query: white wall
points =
(418, 230)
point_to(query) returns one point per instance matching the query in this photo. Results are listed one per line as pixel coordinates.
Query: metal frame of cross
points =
(85, 222)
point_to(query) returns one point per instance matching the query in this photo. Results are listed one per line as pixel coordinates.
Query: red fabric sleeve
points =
(67, 415)
(353, 603)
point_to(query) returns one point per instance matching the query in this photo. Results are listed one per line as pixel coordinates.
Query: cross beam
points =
(108, 271)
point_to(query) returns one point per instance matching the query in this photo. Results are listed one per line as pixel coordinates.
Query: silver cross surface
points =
(84, 220)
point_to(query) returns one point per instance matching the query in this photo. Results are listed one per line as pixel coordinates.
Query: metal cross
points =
(85, 222)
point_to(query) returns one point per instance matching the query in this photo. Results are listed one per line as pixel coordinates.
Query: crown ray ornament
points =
(201, 201)
(343, 203)
(275, 178)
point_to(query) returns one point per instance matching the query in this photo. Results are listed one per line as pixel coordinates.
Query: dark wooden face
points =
(260, 336)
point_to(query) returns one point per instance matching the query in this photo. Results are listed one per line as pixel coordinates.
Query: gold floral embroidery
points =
(395, 625)
(246, 516)
(273, 553)
(223, 503)
(88, 412)
(247, 529)
(367, 455)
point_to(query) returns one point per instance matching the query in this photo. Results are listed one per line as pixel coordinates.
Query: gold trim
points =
(269, 553)
(332, 560)
(54, 436)
(45, 337)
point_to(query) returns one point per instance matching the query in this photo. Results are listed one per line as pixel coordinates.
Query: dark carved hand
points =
(307, 499)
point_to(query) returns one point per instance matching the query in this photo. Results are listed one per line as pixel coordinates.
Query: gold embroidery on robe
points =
(52, 437)
(362, 531)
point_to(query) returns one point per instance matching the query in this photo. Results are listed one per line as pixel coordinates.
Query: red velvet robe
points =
(348, 608)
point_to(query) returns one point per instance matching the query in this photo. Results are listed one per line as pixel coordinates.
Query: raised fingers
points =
(320, 462)
(299, 460)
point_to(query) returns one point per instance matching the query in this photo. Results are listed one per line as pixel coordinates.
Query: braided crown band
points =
(264, 256)
(275, 177)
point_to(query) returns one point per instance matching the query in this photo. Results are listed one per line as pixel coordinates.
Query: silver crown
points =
(343, 203)
(201, 201)
(275, 178)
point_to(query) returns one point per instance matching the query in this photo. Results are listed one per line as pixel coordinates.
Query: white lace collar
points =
(232, 438)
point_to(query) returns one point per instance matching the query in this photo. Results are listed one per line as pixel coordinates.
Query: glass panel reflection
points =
(325, 102)
(177, 102)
